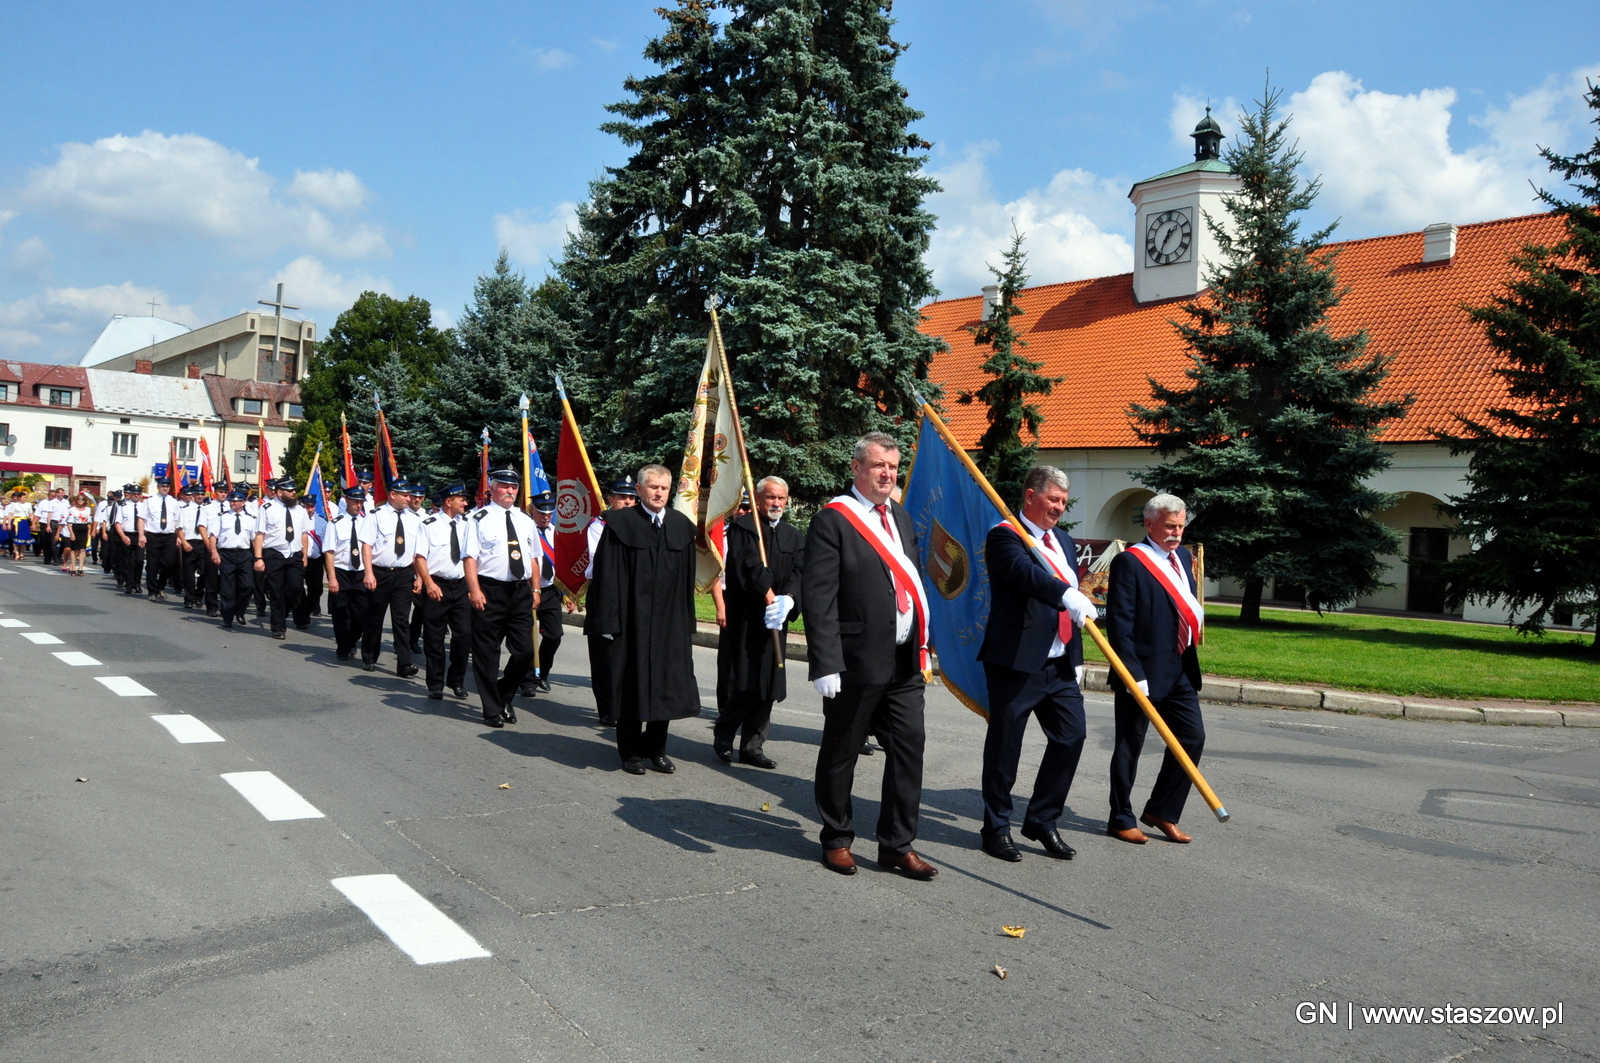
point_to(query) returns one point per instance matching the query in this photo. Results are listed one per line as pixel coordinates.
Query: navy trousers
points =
(1180, 708)
(1053, 696)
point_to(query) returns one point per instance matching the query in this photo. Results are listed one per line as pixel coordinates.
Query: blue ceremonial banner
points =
(538, 482)
(953, 516)
(315, 489)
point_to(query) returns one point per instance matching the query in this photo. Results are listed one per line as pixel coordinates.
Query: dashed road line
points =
(271, 796)
(8, 622)
(40, 638)
(187, 729)
(124, 686)
(409, 920)
(74, 658)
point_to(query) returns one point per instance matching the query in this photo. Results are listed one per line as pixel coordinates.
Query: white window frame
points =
(260, 411)
(132, 439)
(186, 448)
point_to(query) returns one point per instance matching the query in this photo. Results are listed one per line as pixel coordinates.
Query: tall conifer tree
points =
(1004, 456)
(1532, 509)
(1276, 433)
(773, 165)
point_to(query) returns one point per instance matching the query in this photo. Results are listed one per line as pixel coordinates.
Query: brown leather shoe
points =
(908, 864)
(1169, 829)
(839, 860)
(1129, 834)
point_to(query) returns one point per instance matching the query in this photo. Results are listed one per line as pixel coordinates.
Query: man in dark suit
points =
(760, 599)
(866, 636)
(1153, 620)
(1032, 657)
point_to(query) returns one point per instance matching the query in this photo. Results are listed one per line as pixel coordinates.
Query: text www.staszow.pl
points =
(1341, 1013)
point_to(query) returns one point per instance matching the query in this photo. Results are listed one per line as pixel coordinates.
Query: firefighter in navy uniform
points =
(346, 572)
(441, 569)
(389, 545)
(279, 547)
(230, 536)
(502, 577)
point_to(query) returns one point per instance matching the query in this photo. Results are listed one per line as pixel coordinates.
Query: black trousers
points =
(550, 628)
(207, 581)
(506, 619)
(45, 544)
(311, 593)
(108, 553)
(161, 562)
(892, 712)
(235, 582)
(347, 607)
(285, 585)
(450, 615)
(636, 738)
(393, 597)
(419, 620)
(132, 563)
(193, 565)
(1181, 710)
(1053, 696)
(602, 682)
(746, 714)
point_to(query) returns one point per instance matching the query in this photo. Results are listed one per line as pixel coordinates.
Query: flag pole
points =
(527, 506)
(756, 517)
(1130, 684)
(261, 434)
(583, 448)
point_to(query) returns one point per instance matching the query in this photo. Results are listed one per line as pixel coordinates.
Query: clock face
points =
(1168, 237)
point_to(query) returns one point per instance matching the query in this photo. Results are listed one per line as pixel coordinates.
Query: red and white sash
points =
(900, 569)
(1191, 615)
(1050, 551)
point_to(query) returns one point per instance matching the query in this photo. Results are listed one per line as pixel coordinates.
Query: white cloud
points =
(338, 190)
(533, 240)
(154, 185)
(1186, 114)
(1075, 227)
(550, 58)
(62, 313)
(313, 286)
(5, 216)
(32, 258)
(605, 45)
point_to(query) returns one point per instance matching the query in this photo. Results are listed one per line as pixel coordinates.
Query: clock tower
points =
(1173, 248)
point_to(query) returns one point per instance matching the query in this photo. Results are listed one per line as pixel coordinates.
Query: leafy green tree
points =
(773, 165)
(1003, 455)
(302, 448)
(1274, 437)
(1534, 481)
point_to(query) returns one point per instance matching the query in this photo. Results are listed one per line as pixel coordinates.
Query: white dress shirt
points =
(281, 527)
(597, 528)
(490, 545)
(1051, 545)
(379, 533)
(434, 545)
(903, 622)
(127, 513)
(189, 519)
(160, 513)
(343, 541)
(232, 531)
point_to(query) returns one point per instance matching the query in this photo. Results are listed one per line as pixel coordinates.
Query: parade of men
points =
(1032, 657)
(760, 598)
(641, 600)
(1154, 622)
(502, 586)
(388, 550)
(440, 564)
(867, 642)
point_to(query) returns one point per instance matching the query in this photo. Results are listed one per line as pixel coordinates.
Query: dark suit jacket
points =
(744, 648)
(1142, 626)
(1024, 604)
(847, 596)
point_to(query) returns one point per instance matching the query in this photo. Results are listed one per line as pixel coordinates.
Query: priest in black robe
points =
(642, 602)
(759, 599)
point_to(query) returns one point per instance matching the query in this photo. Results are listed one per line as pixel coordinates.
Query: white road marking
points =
(187, 729)
(39, 638)
(74, 658)
(271, 796)
(1481, 801)
(8, 572)
(407, 918)
(123, 685)
(8, 622)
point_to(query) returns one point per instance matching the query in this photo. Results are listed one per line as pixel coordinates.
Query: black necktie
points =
(399, 535)
(163, 514)
(355, 547)
(514, 549)
(455, 545)
(238, 525)
(288, 525)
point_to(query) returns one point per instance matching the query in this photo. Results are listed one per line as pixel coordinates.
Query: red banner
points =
(205, 467)
(578, 501)
(347, 474)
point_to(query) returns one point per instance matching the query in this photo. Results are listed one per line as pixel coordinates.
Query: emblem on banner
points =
(948, 564)
(572, 507)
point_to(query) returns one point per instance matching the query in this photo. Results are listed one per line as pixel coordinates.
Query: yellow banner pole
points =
(527, 507)
(1129, 683)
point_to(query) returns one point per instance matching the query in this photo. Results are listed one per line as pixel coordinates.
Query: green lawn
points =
(706, 609)
(1390, 655)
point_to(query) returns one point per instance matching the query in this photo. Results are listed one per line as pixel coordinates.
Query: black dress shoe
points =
(724, 751)
(757, 760)
(435, 695)
(1050, 841)
(1001, 847)
(407, 672)
(279, 635)
(866, 749)
(633, 766)
(527, 690)
(493, 721)
(509, 715)
(663, 764)
(365, 667)
(343, 655)
(459, 692)
(213, 612)
(543, 685)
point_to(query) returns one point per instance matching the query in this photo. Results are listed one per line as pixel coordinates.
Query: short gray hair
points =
(761, 484)
(1041, 476)
(1164, 503)
(874, 439)
(653, 470)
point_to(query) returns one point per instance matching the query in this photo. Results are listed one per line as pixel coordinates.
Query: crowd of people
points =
(459, 585)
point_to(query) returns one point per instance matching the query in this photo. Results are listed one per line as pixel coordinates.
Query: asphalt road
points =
(149, 912)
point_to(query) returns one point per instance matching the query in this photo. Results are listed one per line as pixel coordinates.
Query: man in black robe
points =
(759, 599)
(642, 602)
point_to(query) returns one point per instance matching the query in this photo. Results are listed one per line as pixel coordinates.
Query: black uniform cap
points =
(505, 476)
(624, 488)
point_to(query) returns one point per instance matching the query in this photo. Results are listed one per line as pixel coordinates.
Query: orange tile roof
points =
(1106, 345)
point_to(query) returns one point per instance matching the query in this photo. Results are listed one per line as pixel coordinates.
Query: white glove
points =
(778, 612)
(829, 685)
(608, 638)
(1079, 606)
(1144, 687)
(1078, 674)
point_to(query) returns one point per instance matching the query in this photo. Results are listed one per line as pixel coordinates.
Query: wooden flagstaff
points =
(1128, 682)
(527, 507)
(744, 461)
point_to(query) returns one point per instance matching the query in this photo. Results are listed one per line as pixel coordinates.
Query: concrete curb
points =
(1234, 691)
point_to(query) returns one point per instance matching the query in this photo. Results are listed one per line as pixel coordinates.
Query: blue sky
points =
(197, 153)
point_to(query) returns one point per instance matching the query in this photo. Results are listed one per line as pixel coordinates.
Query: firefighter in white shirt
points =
(229, 536)
(346, 572)
(389, 545)
(280, 552)
(502, 585)
(441, 550)
(191, 545)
